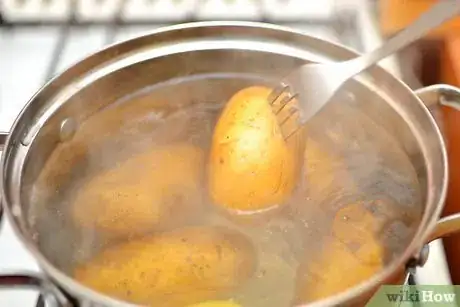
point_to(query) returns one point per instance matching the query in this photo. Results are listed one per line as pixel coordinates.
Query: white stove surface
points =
(25, 54)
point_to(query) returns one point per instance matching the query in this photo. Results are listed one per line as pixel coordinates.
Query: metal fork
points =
(314, 84)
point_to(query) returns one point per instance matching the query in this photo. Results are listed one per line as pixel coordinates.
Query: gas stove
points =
(40, 38)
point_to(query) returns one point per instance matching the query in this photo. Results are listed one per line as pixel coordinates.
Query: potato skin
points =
(251, 166)
(336, 272)
(94, 131)
(350, 257)
(321, 169)
(216, 304)
(176, 268)
(147, 191)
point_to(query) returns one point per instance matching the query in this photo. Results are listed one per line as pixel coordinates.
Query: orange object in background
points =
(450, 69)
(397, 14)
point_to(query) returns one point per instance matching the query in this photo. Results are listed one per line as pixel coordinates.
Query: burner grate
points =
(164, 11)
(119, 14)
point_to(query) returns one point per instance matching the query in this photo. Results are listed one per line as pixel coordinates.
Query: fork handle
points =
(438, 14)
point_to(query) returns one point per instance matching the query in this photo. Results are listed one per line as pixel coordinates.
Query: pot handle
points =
(52, 296)
(434, 97)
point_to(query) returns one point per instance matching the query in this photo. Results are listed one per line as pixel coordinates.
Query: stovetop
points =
(40, 38)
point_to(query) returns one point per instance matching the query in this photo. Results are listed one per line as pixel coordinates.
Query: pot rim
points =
(71, 285)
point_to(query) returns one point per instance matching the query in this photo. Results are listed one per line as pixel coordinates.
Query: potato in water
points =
(93, 133)
(216, 304)
(324, 172)
(176, 268)
(352, 256)
(252, 167)
(147, 191)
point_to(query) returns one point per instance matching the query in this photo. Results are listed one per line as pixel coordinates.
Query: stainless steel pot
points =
(54, 114)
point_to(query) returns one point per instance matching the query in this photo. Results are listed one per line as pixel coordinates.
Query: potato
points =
(176, 268)
(320, 169)
(358, 228)
(66, 159)
(327, 178)
(350, 257)
(337, 271)
(94, 131)
(147, 191)
(216, 304)
(251, 166)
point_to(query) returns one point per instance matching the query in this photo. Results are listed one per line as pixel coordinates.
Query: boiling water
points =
(186, 111)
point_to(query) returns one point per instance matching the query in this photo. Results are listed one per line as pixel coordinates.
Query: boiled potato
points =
(350, 257)
(381, 219)
(356, 226)
(177, 268)
(216, 304)
(66, 160)
(325, 182)
(320, 169)
(95, 130)
(252, 167)
(142, 193)
(337, 271)
(326, 175)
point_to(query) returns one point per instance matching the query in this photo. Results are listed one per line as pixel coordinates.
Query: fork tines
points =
(279, 99)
